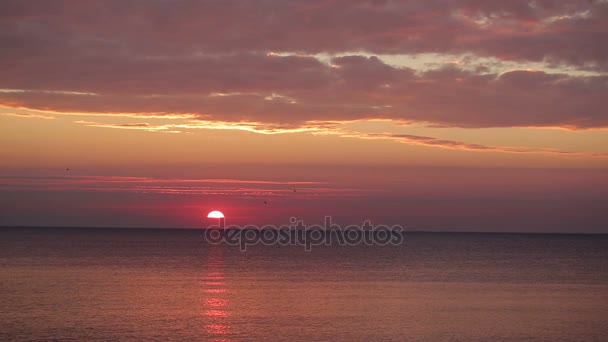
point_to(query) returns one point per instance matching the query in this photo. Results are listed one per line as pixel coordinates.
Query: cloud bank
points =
(261, 61)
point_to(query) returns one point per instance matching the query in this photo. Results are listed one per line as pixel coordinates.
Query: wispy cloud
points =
(254, 127)
(458, 145)
(27, 115)
(333, 128)
(132, 126)
(211, 187)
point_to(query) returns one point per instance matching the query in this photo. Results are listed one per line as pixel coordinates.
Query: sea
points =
(90, 284)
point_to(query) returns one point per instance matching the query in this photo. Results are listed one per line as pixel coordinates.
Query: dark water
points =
(71, 284)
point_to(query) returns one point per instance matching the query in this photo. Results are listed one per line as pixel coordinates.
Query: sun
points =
(215, 214)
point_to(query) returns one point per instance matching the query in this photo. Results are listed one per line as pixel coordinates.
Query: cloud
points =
(178, 186)
(335, 129)
(135, 126)
(202, 124)
(566, 31)
(349, 88)
(458, 145)
(259, 65)
(26, 115)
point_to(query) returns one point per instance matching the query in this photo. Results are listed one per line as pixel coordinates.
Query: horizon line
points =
(405, 231)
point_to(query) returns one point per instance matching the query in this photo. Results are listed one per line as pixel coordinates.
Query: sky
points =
(458, 115)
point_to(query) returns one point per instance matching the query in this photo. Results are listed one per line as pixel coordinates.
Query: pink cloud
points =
(459, 145)
(567, 31)
(29, 116)
(353, 88)
(163, 58)
(177, 186)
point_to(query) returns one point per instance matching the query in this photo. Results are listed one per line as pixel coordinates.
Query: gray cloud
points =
(211, 59)
(567, 31)
(293, 91)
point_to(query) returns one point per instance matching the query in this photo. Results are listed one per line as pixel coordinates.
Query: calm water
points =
(98, 284)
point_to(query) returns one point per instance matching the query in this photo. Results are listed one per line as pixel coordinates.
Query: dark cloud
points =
(293, 91)
(569, 31)
(212, 59)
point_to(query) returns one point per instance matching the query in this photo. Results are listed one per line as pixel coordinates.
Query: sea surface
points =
(156, 285)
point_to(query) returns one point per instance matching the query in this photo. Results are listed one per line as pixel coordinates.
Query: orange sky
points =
(501, 126)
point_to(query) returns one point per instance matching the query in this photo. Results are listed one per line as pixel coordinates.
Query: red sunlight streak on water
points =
(215, 311)
(215, 290)
(216, 302)
(217, 329)
(214, 283)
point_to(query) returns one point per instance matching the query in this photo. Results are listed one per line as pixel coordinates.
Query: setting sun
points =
(392, 170)
(215, 214)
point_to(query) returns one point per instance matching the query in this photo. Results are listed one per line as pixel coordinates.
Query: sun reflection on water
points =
(214, 300)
